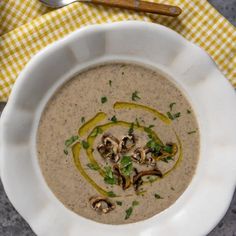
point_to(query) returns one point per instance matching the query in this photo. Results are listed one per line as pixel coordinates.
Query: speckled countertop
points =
(12, 224)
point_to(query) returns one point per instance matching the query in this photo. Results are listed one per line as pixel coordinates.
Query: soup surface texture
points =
(118, 143)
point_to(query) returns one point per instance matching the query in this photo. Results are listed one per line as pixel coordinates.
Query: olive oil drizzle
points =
(76, 148)
(84, 129)
(129, 105)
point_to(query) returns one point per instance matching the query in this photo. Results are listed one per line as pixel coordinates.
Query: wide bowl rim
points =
(12, 108)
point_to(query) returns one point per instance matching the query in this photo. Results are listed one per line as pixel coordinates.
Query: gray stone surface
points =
(12, 224)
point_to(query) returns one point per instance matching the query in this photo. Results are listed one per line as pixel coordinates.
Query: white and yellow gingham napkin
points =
(27, 26)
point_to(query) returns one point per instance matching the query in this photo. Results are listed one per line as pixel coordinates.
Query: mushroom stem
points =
(123, 180)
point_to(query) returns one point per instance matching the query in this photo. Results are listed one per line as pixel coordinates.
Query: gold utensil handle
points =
(156, 8)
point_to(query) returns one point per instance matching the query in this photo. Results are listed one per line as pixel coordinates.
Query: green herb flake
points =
(188, 111)
(154, 118)
(128, 213)
(111, 194)
(82, 119)
(148, 130)
(85, 144)
(119, 203)
(66, 152)
(171, 105)
(170, 116)
(135, 203)
(155, 147)
(114, 119)
(141, 192)
(126, 165)
(96, 131)
(93, 166)
(173, 189)
(192, 132)
(71, 140)
(177, 115)
(168, 148)
(157, 196)
(131, 129)
(103, 99)
(110, 83)
(167, 159)
(173, 116)
(135, 96)
(151, 126)
(137, 122)
(109, 177)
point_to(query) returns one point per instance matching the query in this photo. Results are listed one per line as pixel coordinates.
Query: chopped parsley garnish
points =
(109, 177)
(93, 166)
(154, 146)
(170, 116)
(171, 105)
(167, 159)
(85, 144)
(135, 96)
(96, 131)
(168, 148)
(192, 132)
(66, 152)
(188, 111)
(103, 99)
(173, 189)
(157, 196)
(177, 115)
(110, 83)
(126, 165)
(137, 122)
(128, 213)
(114, 119)
(135, 203)
(71, 140)
(148, 130)
(141, 193)
(131, 129)
(111, 194)
(119, 203)
(151, 126)
(82, 119)
(173, 116)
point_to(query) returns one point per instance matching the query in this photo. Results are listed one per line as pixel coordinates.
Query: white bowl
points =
(208, 196)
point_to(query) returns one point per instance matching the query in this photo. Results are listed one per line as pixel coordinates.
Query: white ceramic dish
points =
(208, 196)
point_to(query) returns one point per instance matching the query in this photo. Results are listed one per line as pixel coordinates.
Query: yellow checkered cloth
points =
(27, 26)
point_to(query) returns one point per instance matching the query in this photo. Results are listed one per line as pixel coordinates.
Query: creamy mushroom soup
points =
(118, 143)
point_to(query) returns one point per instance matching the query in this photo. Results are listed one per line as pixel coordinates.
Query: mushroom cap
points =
(101, 204)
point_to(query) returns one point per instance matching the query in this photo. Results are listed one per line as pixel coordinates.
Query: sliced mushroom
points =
(139, 155)
(143, 156)
(127, 143)
(123, 180)
(109, 148)
(149, 158)
(138, 177)
(101, 204)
